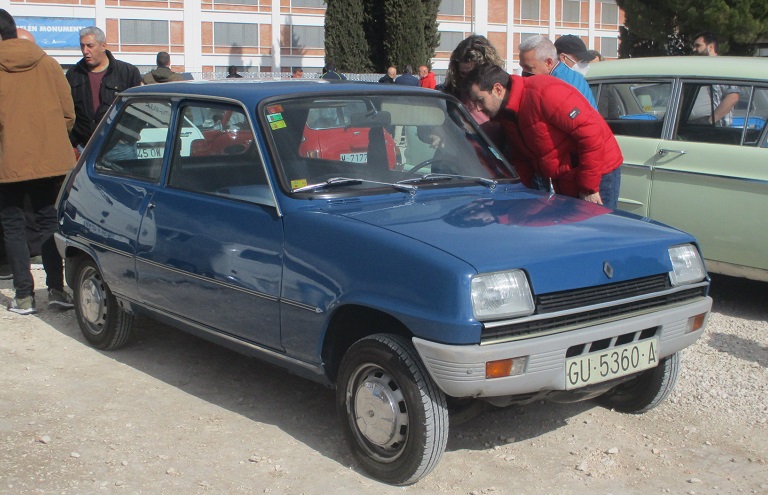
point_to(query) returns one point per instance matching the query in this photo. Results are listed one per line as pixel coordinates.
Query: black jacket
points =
(119, 77)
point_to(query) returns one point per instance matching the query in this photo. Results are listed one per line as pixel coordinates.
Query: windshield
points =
(379, 139)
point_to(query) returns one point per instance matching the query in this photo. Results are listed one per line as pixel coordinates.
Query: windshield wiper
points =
(346, 181)
(433, 177)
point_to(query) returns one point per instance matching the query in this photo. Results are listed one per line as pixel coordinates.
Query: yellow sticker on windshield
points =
(295, 184)
(277, 125)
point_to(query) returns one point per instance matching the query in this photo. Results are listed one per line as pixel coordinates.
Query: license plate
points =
(354, 157)
(612, 363)
(148, 153)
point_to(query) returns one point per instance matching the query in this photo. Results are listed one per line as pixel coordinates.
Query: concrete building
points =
(204, 37)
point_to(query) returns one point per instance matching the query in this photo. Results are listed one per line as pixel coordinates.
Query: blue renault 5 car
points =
(371, 238)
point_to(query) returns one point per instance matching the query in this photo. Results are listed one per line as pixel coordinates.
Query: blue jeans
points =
(42, 193)
(610, 184)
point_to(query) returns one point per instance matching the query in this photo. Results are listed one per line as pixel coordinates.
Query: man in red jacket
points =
(427, 78)
(554, 137)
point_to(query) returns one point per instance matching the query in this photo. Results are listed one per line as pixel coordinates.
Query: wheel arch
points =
(73, 256)
(351, 323)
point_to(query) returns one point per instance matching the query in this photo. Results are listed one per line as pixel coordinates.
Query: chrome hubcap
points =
(92, 305)
(380, 412)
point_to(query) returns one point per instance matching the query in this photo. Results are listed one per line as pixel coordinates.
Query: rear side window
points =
(137, 142)
(635, 109)
(722, 114)
(216, 154)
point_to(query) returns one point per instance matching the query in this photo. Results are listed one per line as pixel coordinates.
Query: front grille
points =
(569, 299)
(560, 301)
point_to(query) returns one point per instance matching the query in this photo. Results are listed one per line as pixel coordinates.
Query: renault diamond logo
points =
(608, 270)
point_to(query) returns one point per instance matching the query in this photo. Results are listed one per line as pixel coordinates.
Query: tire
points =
(104, 324)
(394, 416)
(645, 392)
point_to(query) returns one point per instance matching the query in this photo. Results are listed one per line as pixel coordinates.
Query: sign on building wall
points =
(54, 32)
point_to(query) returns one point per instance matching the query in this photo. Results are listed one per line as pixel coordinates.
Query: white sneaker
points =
(23, 305)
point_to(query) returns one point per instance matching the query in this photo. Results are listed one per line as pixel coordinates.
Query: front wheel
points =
(104, 324)
(394, 416)
(645, 392)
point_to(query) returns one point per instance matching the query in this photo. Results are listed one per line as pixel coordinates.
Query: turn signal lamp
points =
(696, 322)
(505, 367)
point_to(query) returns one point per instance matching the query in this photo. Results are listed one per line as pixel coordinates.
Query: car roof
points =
(252, 91)
(748, 68)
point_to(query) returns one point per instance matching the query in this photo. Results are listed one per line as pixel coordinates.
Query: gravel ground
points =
(170, 414)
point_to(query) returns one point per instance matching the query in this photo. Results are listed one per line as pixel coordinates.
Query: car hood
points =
(537, 233)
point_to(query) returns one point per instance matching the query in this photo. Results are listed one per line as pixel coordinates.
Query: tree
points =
(431, 34)
(647, 28)
(375, 34)
(345, 39)
(404, 42)
(374, 27)
(667, 27)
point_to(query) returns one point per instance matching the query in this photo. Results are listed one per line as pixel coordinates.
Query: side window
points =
(758, 116)
(136, 146)
(635, 109)
(215, 153)
(721, 114)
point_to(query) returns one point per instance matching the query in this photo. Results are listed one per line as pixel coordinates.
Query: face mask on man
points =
(581, 67)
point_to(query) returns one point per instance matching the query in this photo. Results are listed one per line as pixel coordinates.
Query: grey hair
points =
(97, 33)
(542, 46)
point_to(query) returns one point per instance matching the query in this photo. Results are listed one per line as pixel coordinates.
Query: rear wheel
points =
(394, 416)
(645, 392)
(104, 324)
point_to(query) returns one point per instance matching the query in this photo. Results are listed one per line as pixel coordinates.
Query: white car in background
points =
(710, 179)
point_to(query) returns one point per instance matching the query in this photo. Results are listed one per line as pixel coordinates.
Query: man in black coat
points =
(95, 81)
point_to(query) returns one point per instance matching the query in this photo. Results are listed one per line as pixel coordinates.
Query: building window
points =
(610, 12)
(319, 4)
(571, 11)
(235, 34)
(452, 7)
(449, 40)
(525, 36)
(307, 37)
(529, 9)
(237, 2)
(609, 47)
(141, 32)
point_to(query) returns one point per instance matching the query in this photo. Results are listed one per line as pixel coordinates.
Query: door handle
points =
(664, 151)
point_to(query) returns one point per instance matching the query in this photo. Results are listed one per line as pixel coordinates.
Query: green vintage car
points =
(694, 137)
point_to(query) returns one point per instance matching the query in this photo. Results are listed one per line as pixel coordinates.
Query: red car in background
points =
(224, 135)
(328, 135)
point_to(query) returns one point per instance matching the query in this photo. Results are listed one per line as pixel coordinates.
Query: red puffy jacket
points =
(553, 131)
(428, 81)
